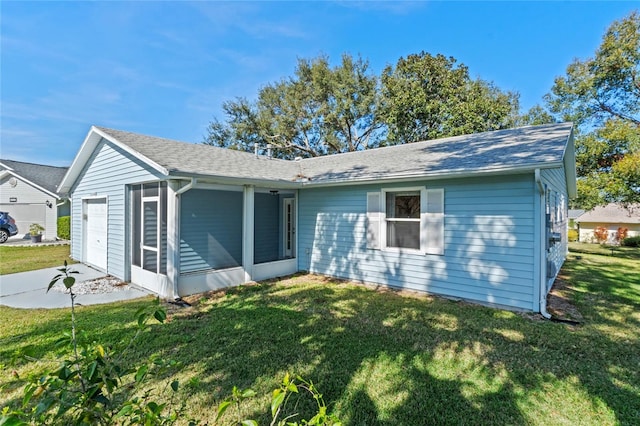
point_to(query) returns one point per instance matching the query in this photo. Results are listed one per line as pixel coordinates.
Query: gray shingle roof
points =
(481, 152)
(47, 177)
(612, 213)
(199, 159)
(503, 150)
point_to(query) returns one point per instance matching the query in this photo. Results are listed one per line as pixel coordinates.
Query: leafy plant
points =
(621, 234)
(94, 385)
(35, 229)
(279, 399)
(631, 241)
(601, 234)
(572, 235)
(64, 227)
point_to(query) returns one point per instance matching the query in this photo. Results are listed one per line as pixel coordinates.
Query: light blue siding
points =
(489, 241)
(556, 253)
(106, 174)
(210, 230)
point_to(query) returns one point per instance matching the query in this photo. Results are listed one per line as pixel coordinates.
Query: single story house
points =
(481, 217)
(612, 217)
(28, 193)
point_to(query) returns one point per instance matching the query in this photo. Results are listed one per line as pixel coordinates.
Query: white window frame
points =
(430, 218)
(385, 219)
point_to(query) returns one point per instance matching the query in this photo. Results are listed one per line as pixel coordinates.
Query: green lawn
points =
(382, 357)
(616, 251)
(20, 259)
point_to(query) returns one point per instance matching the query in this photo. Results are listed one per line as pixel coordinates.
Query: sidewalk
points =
(29, 289)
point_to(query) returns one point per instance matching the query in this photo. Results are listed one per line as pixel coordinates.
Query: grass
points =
(21, 259)
(606, 250)
(383, 357)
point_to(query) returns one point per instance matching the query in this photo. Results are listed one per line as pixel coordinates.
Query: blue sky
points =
(165, 68)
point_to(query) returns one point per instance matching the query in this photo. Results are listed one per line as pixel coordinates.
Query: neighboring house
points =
(480, 217)
(612, 217)
(573, 215)
(28, 192)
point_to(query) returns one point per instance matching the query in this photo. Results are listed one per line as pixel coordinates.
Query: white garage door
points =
(95, 243)
(25, 215)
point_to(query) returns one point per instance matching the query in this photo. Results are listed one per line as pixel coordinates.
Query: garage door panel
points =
(25, 215)
(96, 232)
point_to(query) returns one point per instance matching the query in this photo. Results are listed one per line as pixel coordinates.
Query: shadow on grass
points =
(383, 358)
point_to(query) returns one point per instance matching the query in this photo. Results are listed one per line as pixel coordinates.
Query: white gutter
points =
(543, 276)
(187, 187)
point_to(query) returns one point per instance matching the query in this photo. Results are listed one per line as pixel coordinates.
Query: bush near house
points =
(621, 234)
(572, 235)
(631, 241)
(601, 234)
(64, 227)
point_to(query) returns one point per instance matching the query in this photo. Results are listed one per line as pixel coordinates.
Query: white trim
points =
(292, 251)
(385, 219)
(35, 185)
(90, 143)
(248, 224)
(437, 175)
(83, 218)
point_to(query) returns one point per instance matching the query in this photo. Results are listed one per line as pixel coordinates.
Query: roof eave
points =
(89, 144)
(456, 174)
(35, 185)
(230, 180)
(569, 163)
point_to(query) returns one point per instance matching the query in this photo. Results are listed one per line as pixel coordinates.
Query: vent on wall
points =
(13, 182)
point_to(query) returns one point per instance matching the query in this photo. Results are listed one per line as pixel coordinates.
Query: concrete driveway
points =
(29, 289)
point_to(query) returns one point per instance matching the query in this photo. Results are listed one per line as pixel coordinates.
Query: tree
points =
(321, 110)
(427, 97)
(602, 96)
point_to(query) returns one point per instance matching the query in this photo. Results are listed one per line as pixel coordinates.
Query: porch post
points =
(247, 232)
(173, 238)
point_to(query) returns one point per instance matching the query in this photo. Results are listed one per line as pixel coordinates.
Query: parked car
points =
(8, 227)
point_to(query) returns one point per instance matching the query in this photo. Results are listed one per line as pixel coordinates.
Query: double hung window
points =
(410, 219)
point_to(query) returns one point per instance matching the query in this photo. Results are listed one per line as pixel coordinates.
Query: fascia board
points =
(35, 185)
(434, 176)
(84, 153)
(6, 167)
(132, 151)
(569, 162)
(226, 180)
(90, 143)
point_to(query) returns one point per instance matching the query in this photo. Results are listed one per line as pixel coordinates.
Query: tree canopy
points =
(326, 110)
(602, 96)
(320, 110)
(428, 97)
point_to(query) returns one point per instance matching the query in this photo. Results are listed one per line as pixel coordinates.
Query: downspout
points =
(543, 284)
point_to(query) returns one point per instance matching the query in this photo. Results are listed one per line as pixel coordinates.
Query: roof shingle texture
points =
(206, 160)
(612, 213)
(532, 146)
(47, 177)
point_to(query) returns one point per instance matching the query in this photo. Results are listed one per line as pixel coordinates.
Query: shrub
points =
(621, 234)
(601, 234)
(572, 235)
(64, 227)
(631, 241)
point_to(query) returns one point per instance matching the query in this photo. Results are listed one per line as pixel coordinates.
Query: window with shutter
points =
(406, 219)
(433, 222)
(374, 220)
